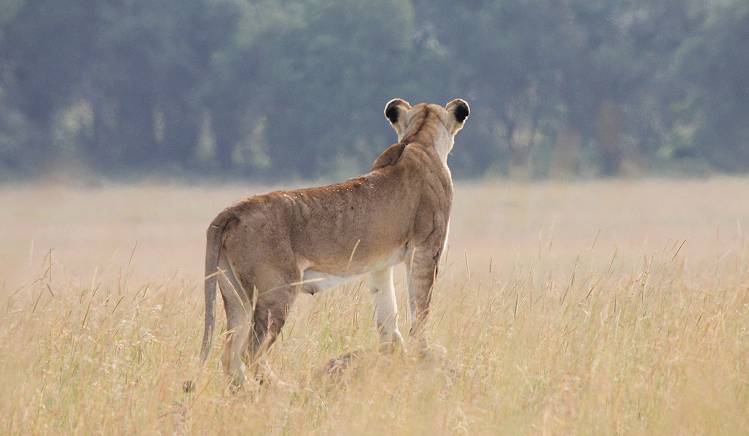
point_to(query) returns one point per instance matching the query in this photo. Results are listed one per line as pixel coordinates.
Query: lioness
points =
(266, 249)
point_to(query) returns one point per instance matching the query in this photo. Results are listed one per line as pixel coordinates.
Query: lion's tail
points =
(214, 241)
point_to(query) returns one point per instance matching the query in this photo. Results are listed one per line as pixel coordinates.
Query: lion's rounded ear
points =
(394, 109)
(459, 108)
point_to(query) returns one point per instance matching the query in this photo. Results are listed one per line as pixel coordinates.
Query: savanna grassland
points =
(603, 307)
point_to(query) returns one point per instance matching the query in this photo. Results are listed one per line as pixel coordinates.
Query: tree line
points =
(282, 89)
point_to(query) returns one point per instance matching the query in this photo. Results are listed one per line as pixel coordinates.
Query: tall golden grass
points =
(608, 307)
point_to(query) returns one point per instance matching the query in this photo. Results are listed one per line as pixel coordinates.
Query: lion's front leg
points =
(386, 309)
(421, 269)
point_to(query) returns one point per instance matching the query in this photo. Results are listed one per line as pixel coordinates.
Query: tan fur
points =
(260, 249)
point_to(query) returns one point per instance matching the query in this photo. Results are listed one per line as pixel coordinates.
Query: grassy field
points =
(607, 307)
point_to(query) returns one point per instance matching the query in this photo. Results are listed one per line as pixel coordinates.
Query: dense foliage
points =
(296, 88)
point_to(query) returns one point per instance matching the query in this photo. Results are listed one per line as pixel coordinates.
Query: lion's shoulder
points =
(390, 156)
(410, 155)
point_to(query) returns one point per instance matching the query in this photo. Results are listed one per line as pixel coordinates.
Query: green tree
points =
(710, 115)
(40, 71)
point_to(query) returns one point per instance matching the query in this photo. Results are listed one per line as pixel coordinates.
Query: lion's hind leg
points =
(276, 291)
(238, 307)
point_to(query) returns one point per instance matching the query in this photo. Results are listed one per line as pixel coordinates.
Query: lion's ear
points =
(395, 109)
(459, 109)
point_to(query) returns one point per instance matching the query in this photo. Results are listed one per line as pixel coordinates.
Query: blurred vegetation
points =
(283, 89)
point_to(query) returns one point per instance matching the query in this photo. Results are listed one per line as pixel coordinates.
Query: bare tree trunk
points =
(565, 158)
(608, 137)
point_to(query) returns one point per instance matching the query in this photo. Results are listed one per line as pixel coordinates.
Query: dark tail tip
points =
(188, 387)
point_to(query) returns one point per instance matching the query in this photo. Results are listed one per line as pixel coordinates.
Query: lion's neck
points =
(443, 145)
(441, 142)
(429, 132)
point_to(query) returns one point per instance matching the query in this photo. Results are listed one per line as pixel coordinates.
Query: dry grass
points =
(594, 308)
